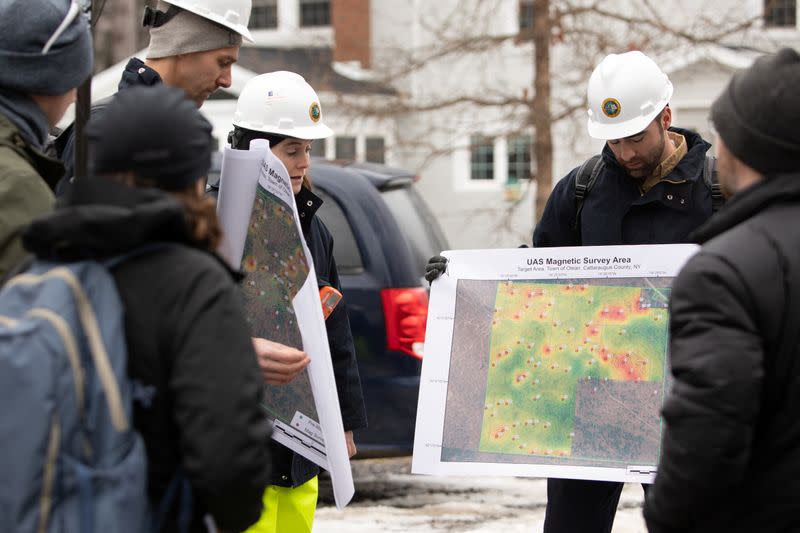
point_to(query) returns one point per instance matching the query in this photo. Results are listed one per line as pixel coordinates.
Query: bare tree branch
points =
(579, 32)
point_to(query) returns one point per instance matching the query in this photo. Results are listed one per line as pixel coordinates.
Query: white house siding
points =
(435, 144)
(474, 214)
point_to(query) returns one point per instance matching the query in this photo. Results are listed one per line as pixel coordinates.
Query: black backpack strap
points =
(584, 181)
(712, 182)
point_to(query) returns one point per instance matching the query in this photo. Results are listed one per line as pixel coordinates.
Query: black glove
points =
(436, 267)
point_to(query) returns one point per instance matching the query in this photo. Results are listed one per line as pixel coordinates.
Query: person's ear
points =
(666, 117)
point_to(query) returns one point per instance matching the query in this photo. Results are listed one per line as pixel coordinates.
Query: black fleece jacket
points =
(196, 381)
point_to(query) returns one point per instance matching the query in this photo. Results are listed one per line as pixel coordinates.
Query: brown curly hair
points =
(200, 211)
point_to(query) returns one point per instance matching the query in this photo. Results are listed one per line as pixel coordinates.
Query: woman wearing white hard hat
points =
(282, 108)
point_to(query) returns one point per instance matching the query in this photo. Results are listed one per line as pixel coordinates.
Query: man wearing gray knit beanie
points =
(730, 455)
(45, 53)
(193, 45)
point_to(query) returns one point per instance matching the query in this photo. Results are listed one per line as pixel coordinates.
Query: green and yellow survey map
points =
(567, 371)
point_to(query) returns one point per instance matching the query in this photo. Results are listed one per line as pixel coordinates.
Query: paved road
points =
(390, 499)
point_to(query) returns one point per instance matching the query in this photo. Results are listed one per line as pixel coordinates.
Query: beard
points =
(728, 181)
(645, 164)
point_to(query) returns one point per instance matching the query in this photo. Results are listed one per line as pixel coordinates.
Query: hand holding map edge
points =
(279, 363)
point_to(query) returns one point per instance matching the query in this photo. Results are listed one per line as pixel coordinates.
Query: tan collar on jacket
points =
(668, 165)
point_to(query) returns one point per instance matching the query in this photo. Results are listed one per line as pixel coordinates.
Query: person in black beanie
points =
(197, 386)
(730, 457)
(45, 53)
(756, 116)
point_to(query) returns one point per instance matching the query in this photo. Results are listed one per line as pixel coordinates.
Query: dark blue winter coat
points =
(135, 74)
(291, 469)
(615, 211)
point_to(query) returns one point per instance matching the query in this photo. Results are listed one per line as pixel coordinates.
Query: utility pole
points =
(542, 116)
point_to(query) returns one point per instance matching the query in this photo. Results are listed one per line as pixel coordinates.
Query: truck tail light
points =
(406, 313)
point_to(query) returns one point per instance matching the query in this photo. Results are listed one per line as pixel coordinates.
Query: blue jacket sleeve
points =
(342, 347)
(555, 227)
(345, 365)
(65, 150)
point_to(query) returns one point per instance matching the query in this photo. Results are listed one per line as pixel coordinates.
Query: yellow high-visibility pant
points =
(288, 510)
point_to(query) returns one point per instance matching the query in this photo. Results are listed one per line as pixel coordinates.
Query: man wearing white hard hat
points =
(193, 45)
(652, 184)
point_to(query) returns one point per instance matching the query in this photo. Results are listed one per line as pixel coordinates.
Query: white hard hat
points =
(281, 103)
(232, 14)
(625, 93)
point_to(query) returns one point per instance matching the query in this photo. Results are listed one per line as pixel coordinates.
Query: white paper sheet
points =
(282, 304)
(239, 172)
(547, 362)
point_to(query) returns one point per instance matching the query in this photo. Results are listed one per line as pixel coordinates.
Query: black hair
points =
(240, 138)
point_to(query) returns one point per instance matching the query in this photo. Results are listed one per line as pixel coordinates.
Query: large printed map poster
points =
(555, 366)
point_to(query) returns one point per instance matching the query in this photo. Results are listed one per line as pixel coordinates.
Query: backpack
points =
(591, 168)
(71, 460)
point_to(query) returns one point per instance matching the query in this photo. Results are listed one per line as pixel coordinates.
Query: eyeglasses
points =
(76, 8)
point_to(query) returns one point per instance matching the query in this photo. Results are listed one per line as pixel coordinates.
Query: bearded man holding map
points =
(652, 184)
(648, 188)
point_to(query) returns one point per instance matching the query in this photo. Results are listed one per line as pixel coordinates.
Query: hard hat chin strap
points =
(234, 136)
(154, 18)
(240, 138)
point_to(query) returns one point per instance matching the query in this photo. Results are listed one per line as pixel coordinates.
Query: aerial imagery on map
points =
(276, 268)
(564, 372)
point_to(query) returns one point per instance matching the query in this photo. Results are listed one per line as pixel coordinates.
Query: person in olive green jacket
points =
(45, 53)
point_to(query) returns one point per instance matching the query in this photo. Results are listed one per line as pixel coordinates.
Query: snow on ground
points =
(390, 499)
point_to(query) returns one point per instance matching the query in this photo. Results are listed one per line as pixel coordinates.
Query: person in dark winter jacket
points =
(730, 459)
(282, 108)
(193, 46)
(197, 385)
(39, 71)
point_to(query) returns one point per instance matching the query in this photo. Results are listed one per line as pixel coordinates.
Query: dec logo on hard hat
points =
(315, 112)
(611, 107)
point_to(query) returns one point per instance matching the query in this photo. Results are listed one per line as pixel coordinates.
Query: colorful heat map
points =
(545, 338)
